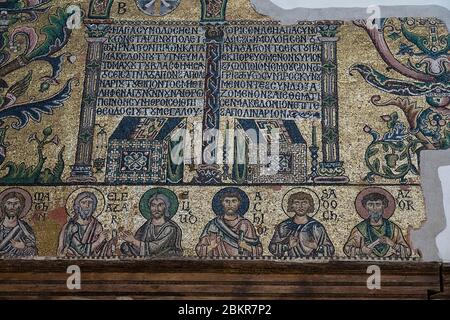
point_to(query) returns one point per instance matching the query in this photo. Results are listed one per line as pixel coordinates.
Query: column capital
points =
(96, 39)
(214, 32)
(328, 39)
(328, 29)
(97, 30)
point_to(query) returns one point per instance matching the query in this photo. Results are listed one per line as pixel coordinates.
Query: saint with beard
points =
(229, 234)
(16, 236)
(159, 236)
(376, 236)
(83, 234)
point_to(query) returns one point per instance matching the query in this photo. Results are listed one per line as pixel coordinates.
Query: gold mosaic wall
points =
(119, 209)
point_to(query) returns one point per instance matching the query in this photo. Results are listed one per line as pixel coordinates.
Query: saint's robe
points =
(160, 241)
(310, 232)
(76, 240)
(228, 235)
(364, 234)
(21, 232)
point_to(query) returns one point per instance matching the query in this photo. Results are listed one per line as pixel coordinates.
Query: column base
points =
(331, 172)
(81, 174)
(208, 174)
(331, 180)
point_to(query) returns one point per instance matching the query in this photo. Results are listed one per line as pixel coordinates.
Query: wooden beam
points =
(201, 279)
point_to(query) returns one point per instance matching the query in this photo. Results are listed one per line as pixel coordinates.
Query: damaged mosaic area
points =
(101, 99)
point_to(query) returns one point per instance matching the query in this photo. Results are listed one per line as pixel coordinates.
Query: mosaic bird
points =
(33, 109)
(16, 90)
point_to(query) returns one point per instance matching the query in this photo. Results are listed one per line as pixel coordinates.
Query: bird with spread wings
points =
(23, 112)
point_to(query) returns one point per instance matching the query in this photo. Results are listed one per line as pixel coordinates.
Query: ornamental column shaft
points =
(213, 21)
(82, 169)
(331, 168)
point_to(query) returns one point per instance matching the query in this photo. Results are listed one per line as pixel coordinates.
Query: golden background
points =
(355, 111)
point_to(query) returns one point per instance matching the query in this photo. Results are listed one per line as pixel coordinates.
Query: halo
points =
(97, 193)
(24, 193)
(296, 190)
(217, 204)
(145, 209)
(363, 213)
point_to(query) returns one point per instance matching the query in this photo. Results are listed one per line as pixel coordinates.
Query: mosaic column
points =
(100, 9)
(331, 168)
(210, 173)
(213, 20)
(82, 169)
(4, 23)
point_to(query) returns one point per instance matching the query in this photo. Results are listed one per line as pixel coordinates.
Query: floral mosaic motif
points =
(24, 173)
(20, 46)
(135, 161)
(56, 34)
(426, 47)
(392, 155)
(423, 47)
(285, 163)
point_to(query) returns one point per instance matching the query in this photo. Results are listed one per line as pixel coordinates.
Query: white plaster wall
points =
(290, 4)
(443, 239)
